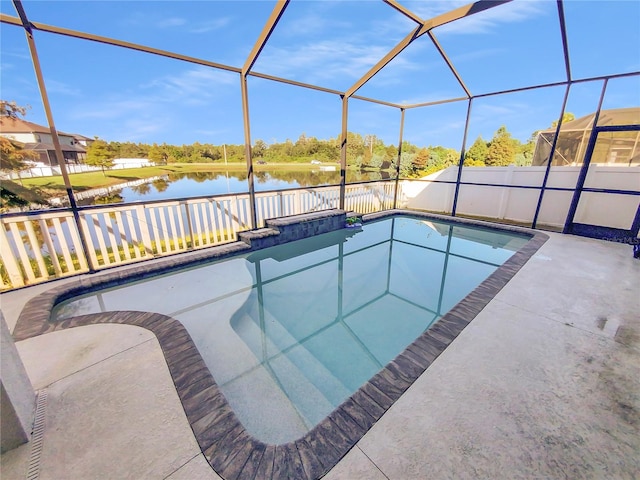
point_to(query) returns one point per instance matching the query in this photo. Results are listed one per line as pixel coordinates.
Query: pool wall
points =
(230, 450)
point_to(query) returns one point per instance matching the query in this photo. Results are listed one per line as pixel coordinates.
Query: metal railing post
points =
(343, 151)
(399, 160)
(461, 163)
(54, 133)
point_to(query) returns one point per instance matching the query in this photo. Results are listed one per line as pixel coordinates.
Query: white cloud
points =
(481, 22)
(123, 120)
(16, 54)
(112, 108)
(153, 107)
(487, 111)
(318, 41)
(209, 26)
(142, 20)
(170, 22)
(311, 23)
(433, 8)
(486, 118)
(325, 60)
(395, 27)
(488, 20)
(23, 60)
(53, 86)
(140, 128)
(195, 86)
(312, 18)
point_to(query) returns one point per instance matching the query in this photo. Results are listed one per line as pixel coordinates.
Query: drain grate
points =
(37, 436)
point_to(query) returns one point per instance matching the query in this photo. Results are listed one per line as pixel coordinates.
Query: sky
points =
(119, 94)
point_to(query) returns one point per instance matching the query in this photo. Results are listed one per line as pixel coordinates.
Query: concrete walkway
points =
(544, 383)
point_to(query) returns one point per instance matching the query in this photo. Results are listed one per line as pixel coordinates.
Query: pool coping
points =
(231, 451)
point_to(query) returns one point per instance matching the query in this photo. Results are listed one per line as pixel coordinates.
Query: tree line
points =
(364, 152)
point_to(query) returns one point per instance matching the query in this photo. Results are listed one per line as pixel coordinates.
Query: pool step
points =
(289, 397)
(295, 227)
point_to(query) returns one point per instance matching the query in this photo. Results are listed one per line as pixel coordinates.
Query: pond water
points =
(197, 184)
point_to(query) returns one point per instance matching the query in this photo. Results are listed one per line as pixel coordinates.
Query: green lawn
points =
(89, 180)
(86, 181)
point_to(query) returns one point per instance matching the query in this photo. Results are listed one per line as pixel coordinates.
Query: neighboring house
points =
(82, 140)
(38, 138)
(621, 148)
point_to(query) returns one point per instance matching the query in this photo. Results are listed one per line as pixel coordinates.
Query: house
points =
(82, 140)
(38, 138)
(619, 149)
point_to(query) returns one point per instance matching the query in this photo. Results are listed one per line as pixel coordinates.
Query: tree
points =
(477, 154)
(406, 164)
(12, 110)
(391, 154)
(13, 157)
(525, 151)
(366, 159)
(141, 189)
(100, 155)
(329, 150)
(378, 160)
(502, 150)
(14, 195)
(212, 152)
(259, 148)
(160, 184)
(300, 147)
(109, 198)
(566, 117)
(157, 154)
(408, 147)
(421, 159)
(451, 157)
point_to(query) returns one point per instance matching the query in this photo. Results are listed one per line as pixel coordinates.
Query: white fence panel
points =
(38, 247)
(519, 204)
(112, 236)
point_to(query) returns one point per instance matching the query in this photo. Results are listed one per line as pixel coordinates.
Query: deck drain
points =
(37, 436)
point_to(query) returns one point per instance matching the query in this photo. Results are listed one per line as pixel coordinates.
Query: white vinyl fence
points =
(40, 246)
(519, 204)
(48, 171)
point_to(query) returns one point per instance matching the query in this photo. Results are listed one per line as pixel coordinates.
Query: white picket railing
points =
(40, 246)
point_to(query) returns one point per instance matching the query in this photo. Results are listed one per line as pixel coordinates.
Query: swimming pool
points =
(317, 337)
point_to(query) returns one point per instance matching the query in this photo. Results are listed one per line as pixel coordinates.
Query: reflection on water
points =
(195, 184)
(290, 332)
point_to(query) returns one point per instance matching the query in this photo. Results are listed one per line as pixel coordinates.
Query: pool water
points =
(291, 331)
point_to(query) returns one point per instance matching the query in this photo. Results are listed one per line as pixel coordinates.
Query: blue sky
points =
(123, 95)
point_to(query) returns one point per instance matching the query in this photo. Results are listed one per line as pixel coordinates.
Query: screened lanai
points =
(407, 102)
(616, 148)
(207, 123)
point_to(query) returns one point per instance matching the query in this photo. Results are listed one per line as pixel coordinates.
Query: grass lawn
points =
(85, 181)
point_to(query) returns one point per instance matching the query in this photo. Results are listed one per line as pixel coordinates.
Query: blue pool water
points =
(291, 331)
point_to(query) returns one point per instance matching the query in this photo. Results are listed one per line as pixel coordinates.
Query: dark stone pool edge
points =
(229, 449)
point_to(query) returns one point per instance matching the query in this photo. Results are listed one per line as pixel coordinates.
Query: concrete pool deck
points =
(544, 383)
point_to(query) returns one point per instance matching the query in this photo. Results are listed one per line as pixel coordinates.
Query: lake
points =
(198, 184)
